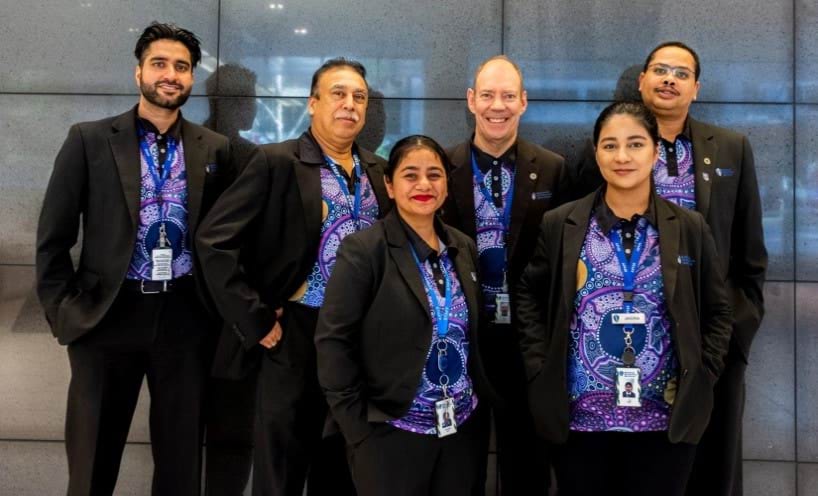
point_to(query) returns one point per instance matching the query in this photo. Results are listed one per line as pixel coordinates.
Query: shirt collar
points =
(485, 160)
(174, 131)
(423, 250)
(685, 134)
(607, 219)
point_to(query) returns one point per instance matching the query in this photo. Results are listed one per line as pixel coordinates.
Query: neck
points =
(341, 153)
(627, 203)
(671, 126)
(495, 148)
(160, 117)
(424, 226)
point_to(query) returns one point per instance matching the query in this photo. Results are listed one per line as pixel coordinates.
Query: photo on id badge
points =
(446, 423)
(628, 388)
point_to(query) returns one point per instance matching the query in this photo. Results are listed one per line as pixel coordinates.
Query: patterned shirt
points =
(498, 175)
(338, 223)
(421, 416)
(168, 205)
(674, 173)
(596, 344)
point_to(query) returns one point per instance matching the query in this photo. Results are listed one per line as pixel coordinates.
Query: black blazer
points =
(261, 240)
(539, 171)
(727, 196)
(96, 179)
(696, 300)
(374, 329)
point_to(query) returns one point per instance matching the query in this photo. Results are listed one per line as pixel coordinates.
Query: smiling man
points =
(711, 170)
(500, 187)
(133, 308)
(269, 246)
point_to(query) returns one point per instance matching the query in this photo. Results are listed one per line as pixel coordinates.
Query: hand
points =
(274, 336)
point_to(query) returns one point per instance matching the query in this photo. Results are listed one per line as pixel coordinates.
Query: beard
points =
(151, 94)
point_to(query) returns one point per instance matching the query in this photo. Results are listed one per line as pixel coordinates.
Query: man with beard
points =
(134, 307)
(500, 187)
(269, 246)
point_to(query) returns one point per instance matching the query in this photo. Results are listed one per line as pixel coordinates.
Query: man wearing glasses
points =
(709, 169)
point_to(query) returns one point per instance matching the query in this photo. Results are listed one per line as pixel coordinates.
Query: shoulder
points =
(720, 134)
(544, 157)
(459, 154)
(276, 153)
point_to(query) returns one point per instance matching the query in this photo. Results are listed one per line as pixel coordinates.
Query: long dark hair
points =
(410, 143)
(637, 110)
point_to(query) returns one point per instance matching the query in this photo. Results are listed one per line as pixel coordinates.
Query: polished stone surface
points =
(580, 50)
(770, 478)
(807, 371)
(806, 51)
(806, 192)
(87, 46)
(421, 49)
(769, 414)
(808, 478)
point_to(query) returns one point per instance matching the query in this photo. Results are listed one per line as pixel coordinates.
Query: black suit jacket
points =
(96, 180)
(261, 240)
(696, 299)
(727, 196)
(375, 329)
(539, 171)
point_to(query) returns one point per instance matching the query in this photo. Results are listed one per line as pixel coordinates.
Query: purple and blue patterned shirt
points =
(596, 344)
(168, 206)
(674, 173)
(498, 175)
(338, 223)
(421, 417)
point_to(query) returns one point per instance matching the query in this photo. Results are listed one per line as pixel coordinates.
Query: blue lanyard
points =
(355, 206)
(629, 268)
(158, 180)
(478, 176)
(441, 313)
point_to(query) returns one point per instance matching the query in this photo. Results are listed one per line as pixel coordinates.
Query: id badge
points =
(628, 387)
(502, 312)
(446, 423)
(628, 318)
(162, 264)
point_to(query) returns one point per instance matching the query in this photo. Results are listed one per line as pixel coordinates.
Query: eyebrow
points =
(345, 87)
(162, 58)
(673, 66)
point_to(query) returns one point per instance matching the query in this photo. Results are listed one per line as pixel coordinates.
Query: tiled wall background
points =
(64, 61)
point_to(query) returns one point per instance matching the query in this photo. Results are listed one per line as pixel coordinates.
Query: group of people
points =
(373, 318)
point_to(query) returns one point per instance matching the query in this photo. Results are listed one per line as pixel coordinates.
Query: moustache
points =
(348, 115)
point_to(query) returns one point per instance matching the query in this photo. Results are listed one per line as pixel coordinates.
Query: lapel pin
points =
(705, 176)
(706, 160)
(533, 176)
(474, 276)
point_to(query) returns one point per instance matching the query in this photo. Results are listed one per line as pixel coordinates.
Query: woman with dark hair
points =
(625, 323)
(396, 341)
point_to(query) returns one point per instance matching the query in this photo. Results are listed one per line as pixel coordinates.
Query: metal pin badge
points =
(474, 276)
(706, 160)
(705, 176)
(533, 176)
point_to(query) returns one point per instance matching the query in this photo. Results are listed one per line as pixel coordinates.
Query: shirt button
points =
(496, 195)
(671, 150)
(159, 137)
(161, 150)
(440, 281)
(496, 178)
(434, 265)
(627, 251)
(628, 235)
(494, 162)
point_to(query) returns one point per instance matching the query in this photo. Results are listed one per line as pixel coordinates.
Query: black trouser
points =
(290, 415)
(622, 464)
(522, 456)
(718, 467)
(230, 417)
(394, 462)
(155, 336)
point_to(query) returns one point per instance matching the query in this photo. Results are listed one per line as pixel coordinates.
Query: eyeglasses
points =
(680, 73)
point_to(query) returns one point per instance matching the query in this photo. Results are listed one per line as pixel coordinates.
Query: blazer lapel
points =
(467, 277)
(573, 236)
(308, 177)
(704, 155)
(462, 189)
(524, 180)
(400, 252)
(125, 148)
(375, 175)
(195, 158)
(668, 247)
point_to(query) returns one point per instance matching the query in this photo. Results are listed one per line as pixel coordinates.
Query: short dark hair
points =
(334, 64)
(162, 31)
(637, 110)
(413, 142)
(677, 44)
